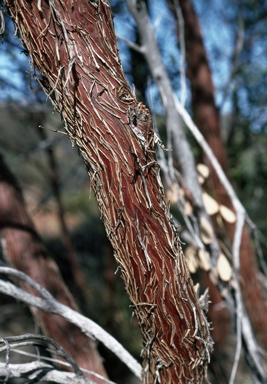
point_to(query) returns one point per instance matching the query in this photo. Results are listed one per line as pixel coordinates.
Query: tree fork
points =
(73, 46)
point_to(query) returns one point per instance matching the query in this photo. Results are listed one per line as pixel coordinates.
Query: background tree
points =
(206, 116)
(25, 251)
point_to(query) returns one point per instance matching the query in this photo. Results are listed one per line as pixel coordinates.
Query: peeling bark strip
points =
(73, 46)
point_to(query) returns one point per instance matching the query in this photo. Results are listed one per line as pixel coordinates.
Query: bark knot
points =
(125, 95)
(142, 113)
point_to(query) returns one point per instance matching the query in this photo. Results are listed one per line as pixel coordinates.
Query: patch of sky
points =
(124, 27)
(166, 35)
(14, 67)
(11, 79)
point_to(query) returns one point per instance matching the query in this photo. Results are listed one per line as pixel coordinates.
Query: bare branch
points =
(132, 45)
(209, 153)
(54, 361)
(37, 370)
(39, 340)
(238, 296)
(49, 304)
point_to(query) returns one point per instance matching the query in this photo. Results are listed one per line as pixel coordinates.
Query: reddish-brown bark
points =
(73, 46)
(207, 119)
(26, 252)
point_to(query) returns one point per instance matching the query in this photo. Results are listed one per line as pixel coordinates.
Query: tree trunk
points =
(207, 119)
(26, 252)
(73, 46)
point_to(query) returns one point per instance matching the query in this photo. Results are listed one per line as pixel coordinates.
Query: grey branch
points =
(11, 344)
(49, 304)
(33, 369)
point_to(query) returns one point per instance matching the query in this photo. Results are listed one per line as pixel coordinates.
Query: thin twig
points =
(52, 130)
(131, 44)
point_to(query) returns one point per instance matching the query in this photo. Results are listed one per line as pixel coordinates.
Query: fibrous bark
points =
(25, 251)
(73, 46)
(206, 116)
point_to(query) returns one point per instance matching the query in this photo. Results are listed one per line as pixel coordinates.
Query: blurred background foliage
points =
(235, 39)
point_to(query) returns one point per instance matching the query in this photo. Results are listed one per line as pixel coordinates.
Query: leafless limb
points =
(37, 370)
(47, 303)
(40, 341)
(131, 44)
(209, 153)
(238, 296)
(49, 361)
(40, 368)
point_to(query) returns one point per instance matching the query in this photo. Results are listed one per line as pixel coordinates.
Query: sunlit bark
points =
(73, 46)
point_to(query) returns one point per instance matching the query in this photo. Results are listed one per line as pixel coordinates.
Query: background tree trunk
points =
(207, 119)
(73, 46)
(26, 252)
(76, 276)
